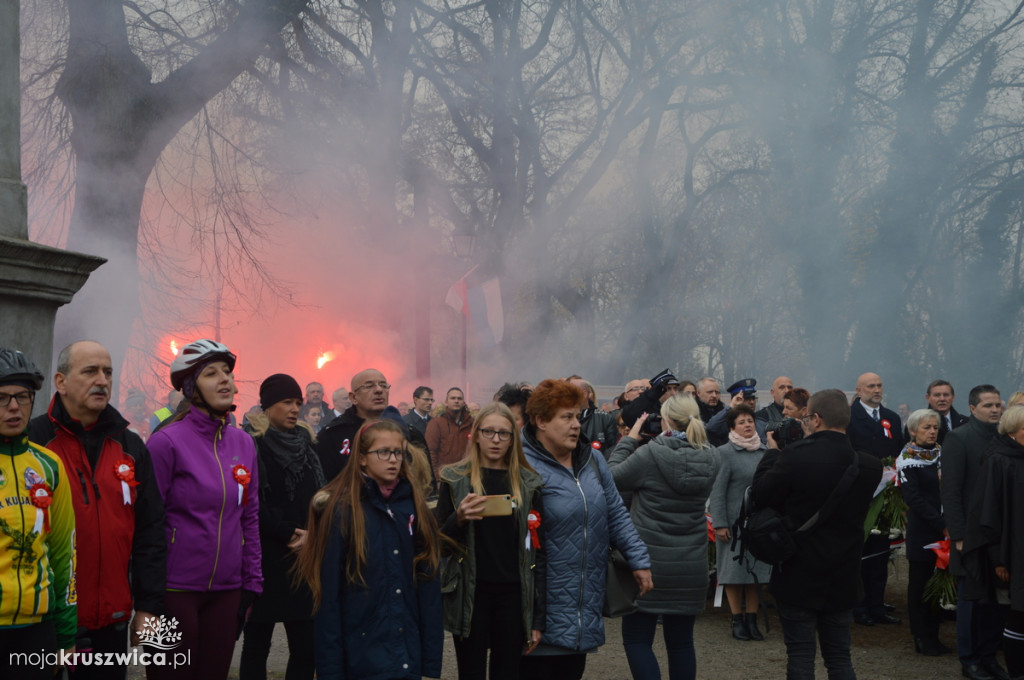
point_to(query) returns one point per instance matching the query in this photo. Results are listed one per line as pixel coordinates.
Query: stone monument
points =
(34, 279)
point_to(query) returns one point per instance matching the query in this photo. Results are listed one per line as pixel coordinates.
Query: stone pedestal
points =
(34, 279)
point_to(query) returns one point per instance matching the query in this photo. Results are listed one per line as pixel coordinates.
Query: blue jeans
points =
(799, 627)
(979, 628)
(638, 638)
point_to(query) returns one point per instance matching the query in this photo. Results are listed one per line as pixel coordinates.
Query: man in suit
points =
(876, 430)
(940, 399)
(816, 589)
(979, 625)
(422, 403)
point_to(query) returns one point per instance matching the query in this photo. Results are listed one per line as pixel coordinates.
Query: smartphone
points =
(497, 506)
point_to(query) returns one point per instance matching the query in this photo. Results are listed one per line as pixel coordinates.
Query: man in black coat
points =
(369, 396)
(709, 398)
(817, 588)
(772, 413)
(978, 625)
(940, 397)
(876, 430)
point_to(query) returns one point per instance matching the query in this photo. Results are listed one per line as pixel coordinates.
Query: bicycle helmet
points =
(194, 355)
(15, 367)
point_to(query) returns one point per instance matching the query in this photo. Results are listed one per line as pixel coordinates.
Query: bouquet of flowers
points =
(941, 587)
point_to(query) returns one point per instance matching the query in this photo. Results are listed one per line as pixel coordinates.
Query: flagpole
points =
(464, 324)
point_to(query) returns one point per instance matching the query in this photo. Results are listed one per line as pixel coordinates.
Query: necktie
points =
(949, 422)
(874, 414)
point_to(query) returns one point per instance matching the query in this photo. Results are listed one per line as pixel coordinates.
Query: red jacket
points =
(112, 537)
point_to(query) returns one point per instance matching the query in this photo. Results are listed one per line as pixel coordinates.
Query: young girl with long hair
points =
(495, 584)
(371, 562)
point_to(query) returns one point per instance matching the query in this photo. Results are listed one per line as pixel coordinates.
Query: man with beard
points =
(119, 513)
(979, 625)
(876, 430)
(709, 398)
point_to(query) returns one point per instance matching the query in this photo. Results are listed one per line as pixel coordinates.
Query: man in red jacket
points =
(119, 514)
(448, 433)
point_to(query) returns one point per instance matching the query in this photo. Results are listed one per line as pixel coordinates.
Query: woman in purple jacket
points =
(206, 471)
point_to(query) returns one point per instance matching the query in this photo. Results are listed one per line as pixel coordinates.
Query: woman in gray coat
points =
(670, 477)
(739, 458)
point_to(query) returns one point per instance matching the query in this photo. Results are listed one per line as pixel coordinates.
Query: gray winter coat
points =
(671, 482)
(583, 513)
(735, 475)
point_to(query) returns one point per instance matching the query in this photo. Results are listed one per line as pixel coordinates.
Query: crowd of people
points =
(369, 530)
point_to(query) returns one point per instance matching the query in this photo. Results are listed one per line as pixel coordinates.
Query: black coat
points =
(279, 518)
(868, 436)
(335, 440)
(993, 534)
(962, 456)
(824, 575)
(920, 488)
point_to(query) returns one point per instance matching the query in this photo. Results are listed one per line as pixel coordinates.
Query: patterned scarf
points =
(918, 456)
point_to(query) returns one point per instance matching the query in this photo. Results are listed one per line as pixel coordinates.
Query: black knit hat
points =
(278, 387)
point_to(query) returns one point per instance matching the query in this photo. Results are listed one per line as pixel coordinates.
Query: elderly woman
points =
(739, 458)
(918, 470)
(993, 543)
(583, 515)
(670, 477)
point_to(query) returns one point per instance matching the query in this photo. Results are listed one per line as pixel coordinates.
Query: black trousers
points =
(109, 639)
(497, 627)
(256, 648)
(35, 641)
(924, 619)
(553, 667)
(874, 573)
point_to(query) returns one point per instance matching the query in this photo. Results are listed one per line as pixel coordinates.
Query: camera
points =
(787, 432)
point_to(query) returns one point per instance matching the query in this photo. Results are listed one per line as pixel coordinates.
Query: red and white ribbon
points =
(125, 471)
(242, 476)
(42, 496)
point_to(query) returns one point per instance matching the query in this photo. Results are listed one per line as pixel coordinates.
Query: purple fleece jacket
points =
(213, 540)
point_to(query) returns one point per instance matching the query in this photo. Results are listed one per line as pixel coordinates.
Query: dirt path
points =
(879, 652)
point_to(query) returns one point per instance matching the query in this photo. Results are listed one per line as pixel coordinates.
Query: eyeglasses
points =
(371, 385)
(23, 398)
(638, 388)
(488, 433)
(387, 454)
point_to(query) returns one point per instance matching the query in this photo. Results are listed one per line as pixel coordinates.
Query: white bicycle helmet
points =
(194, 355)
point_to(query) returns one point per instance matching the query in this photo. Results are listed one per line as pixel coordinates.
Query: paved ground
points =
(879, 653)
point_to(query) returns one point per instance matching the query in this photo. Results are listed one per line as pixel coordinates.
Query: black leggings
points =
(496, 626)
(1013, 643)
(35, 641)
(256, 647)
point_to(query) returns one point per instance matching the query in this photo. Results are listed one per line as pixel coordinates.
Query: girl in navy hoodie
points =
(371, 561)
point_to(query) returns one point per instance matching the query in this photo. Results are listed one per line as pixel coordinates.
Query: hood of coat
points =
(686, 469)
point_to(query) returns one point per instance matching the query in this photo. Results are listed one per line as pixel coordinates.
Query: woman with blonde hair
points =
(494, 583)
(371, 562)
(671, 477)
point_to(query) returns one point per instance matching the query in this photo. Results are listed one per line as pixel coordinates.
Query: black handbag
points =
(621, 588)
(769, 536)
